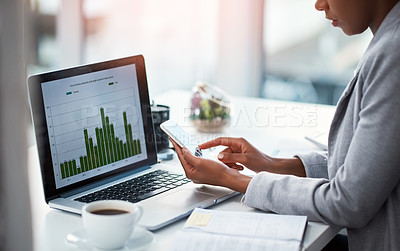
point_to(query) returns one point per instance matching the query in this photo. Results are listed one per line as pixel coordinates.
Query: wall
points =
(15, 220)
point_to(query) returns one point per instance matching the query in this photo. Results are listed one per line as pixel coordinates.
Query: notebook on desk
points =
(95, 140)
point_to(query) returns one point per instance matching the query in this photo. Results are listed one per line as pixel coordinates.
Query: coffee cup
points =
(110, 223)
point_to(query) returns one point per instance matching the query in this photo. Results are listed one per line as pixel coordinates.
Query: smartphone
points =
(182, 138)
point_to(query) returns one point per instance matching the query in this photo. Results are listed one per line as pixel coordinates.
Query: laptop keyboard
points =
(139, 188)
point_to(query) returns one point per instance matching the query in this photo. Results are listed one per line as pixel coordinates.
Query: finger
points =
(220, 141)
(232, 157)
(227, 150)
(187, 167)
(189, 157)
(183, 153)
(236, 167)
(178, 150)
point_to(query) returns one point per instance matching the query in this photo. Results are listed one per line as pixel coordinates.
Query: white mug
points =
(109, 223)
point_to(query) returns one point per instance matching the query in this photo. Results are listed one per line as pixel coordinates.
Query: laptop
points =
(95, 141)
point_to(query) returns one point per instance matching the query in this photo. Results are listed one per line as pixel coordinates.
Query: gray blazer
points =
(356, 184)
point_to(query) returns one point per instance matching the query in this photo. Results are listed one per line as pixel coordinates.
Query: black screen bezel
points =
(40, 125)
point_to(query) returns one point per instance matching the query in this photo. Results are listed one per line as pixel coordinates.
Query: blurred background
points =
(279, 49)
(276, 49)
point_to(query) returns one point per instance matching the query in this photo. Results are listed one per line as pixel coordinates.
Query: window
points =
(176, 37)
(306, 58)
(272, 49)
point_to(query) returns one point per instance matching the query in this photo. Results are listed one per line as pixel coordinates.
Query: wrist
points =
(236, 181)
(292, 166)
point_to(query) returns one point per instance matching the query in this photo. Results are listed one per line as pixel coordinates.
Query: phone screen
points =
(182, 138)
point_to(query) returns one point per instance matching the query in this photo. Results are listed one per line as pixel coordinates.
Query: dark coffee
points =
(109, 212)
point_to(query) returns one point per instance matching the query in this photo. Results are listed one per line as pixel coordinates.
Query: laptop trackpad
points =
(185, 198)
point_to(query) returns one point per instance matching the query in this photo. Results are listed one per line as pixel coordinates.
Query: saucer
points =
(139, 240)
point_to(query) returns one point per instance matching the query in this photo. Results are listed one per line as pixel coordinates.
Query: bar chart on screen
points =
(94, 124)
(109, 148)
(86, 139)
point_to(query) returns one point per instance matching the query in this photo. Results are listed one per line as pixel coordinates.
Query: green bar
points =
(103, 148)
(102, 129)
(127, 154)
(71, 170)
(86, 160)
(74, 166)
(69, 93)
(121, 149)
(115, 140)
(88, 153)
(131, 141)
(110, 140)
(98, 153)
(62, 170)
(134, 147)
(96, 156)
(92, 157)
(128, 138)
(114, 146)
(106, 136)
(139, 147)
(82, 163)
(66, 169)
(71, 162)
(118, 153)
(111, 83)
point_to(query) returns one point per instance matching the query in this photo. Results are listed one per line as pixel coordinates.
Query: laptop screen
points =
(91, 122)
(94, 123)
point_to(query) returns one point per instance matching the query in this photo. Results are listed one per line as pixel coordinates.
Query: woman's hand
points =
(206, 171)
(240, 151)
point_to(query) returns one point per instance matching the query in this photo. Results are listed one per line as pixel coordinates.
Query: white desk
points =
(284, 129)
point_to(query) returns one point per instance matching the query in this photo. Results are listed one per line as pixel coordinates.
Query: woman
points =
(356, 184)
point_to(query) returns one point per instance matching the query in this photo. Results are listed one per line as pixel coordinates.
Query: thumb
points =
(231, 157)
(189, 157)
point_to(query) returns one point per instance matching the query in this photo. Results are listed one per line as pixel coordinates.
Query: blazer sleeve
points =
(315, 164)
(371, 170)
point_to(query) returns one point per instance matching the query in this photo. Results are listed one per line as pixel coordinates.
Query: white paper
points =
(197, 241)
(210, 230)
